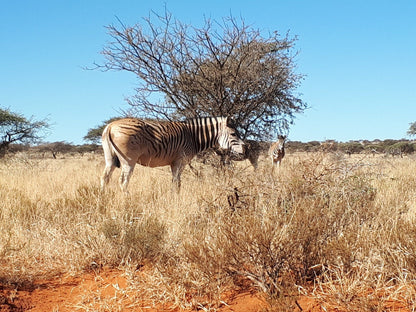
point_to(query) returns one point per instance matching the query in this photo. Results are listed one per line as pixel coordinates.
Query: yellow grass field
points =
(338, 229)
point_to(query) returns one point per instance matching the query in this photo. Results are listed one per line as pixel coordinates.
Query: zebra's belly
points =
(154, 161)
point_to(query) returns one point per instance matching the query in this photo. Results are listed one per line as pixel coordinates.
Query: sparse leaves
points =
(15, 128)
(412, 129)
(222, 68)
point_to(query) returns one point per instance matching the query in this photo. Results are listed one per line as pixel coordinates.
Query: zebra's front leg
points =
(273, 165)
(177, 168)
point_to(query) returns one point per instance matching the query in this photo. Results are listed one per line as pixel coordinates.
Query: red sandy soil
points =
(68, 293)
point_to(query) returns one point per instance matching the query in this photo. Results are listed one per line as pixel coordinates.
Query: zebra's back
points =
(150, 143)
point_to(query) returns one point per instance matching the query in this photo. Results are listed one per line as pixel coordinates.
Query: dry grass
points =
(336, 228)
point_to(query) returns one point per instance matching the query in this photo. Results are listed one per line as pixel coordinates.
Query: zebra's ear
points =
(231, 122)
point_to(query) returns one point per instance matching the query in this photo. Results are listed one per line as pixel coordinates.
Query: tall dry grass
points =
(339, 229)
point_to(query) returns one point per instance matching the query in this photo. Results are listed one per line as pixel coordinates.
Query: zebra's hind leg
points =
(105, 177)
(126, 172)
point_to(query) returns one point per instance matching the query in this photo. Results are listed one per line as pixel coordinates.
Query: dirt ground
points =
(74, 293)
(88, 291)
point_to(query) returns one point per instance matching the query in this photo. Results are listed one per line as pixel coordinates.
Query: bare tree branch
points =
(225, 68)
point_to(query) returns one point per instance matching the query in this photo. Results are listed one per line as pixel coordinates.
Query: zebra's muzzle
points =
(237, 148)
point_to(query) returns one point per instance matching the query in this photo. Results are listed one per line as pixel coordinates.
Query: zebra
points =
(161, 143)
(252, 151)
(277, 150)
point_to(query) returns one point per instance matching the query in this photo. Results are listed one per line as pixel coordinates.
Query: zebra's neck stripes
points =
(205, 131)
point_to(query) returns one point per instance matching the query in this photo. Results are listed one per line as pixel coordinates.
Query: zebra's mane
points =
(205, 120)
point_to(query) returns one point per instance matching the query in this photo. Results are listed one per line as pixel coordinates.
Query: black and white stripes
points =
(277, 150)
(150, 143)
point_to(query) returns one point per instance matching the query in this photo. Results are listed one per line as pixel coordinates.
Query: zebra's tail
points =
(109, 148)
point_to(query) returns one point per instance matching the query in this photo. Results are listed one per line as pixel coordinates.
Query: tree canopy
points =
(220, 69)
(94, 134)
(15, 128)
(412, 129)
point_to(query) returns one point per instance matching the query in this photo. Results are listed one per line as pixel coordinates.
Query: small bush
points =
(134, 239)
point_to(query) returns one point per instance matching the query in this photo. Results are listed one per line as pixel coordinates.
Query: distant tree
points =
(94, 134)
(88, 148)
(56, 148)
(400, 149)
(15, 148)
(15, 128)
(412, 129)
(312, 146)
(223, 68)
(352, 147)
(295, 146)
(329, 146)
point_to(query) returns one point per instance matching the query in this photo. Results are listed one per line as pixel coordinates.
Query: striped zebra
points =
(277, 150)
(151, 143)
(252, 151)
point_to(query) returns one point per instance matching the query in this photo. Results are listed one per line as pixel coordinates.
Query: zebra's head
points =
(228, 139)
(281, 142)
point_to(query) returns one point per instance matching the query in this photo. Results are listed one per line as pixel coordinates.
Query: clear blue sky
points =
(359, 58)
